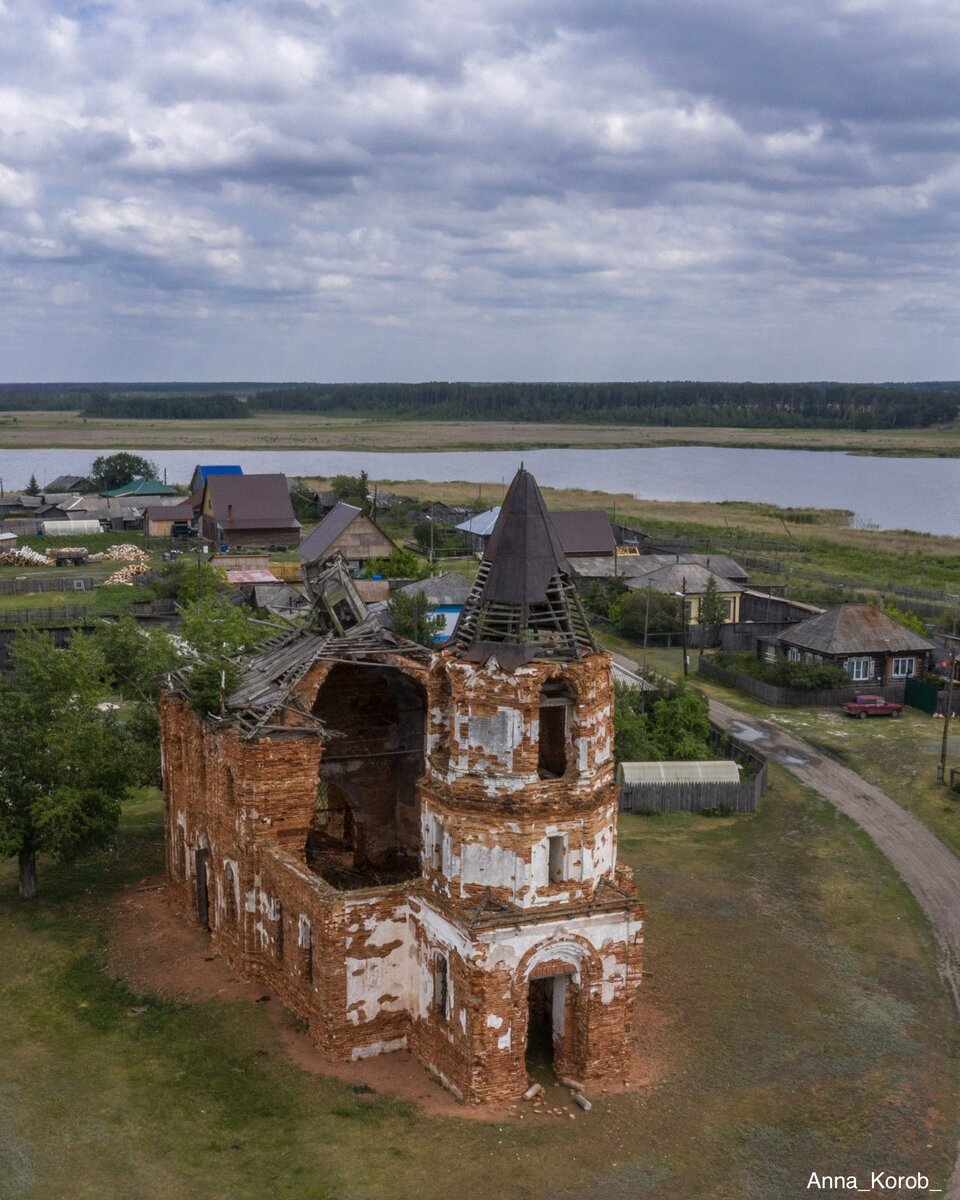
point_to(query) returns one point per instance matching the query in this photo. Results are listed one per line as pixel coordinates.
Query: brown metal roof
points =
(250, 501)
(584, 531)
(853, 629)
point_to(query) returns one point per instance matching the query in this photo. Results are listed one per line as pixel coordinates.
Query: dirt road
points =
(927, 867)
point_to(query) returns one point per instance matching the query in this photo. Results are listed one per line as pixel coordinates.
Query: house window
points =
(793, 654)
(860, 668)
(728, 610)
(902, 667)
(556, 858)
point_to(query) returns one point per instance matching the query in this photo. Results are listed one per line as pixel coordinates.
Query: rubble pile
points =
(23, 556)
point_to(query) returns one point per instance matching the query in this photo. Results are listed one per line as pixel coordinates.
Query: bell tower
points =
(518, 827)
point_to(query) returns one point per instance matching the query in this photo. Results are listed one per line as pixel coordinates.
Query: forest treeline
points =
(762, 405)
(739, 405)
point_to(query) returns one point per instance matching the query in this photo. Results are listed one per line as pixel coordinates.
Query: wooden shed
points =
(697, 786)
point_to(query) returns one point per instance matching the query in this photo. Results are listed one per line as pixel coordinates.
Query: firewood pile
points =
(23, 556)
(128, 575)
(124, 552)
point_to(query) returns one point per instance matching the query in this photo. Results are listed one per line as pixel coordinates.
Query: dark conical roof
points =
(523, 605)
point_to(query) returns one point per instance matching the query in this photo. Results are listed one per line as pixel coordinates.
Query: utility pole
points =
(432, 516)
(942, 764)
(683, 620)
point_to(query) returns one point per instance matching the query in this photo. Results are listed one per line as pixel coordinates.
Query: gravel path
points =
(927, 867)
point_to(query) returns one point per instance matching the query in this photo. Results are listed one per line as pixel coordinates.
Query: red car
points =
(872, 706)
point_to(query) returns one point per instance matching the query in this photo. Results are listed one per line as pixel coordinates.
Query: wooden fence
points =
(76, 615)
(782, 697)
(703, 797)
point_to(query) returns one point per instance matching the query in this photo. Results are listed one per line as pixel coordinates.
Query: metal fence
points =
(782, 697)
(53, 583)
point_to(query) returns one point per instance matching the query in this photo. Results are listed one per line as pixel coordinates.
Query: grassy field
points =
(791, 1001)
(304, 431)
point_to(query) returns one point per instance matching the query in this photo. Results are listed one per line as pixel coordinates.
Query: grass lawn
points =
(791, 999)
(899, 756)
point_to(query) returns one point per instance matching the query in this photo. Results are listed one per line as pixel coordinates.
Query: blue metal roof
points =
(205, 471)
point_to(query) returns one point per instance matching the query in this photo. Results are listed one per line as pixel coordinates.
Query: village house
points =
(71, 483)
(165, 520)
(582, 532)
(418, 850)
(141, 488)
(348, 532)
(201, 473)
(870, 646)
(688, 582)
(248, 510)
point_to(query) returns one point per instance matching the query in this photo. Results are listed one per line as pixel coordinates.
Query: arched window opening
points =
(441, 986)
(180, 862)
(556, 719)
(305, 943)
(230, 893)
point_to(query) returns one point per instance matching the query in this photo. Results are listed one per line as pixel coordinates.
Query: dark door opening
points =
(203, 897)
(540, 1023)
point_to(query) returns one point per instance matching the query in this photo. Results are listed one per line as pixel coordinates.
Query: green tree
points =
(911, 620)
(713, 610)
(352, 489)
(114, 470)
(402, 564)
(632, 613)
(672, 723)
(410, 618)
(33, 488)
(188, 579)
(137, 661)
(64, 768)
(215, 631)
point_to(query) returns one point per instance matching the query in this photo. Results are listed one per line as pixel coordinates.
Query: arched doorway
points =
(552, 995)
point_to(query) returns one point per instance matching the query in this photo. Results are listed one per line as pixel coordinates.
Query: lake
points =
(892, 493)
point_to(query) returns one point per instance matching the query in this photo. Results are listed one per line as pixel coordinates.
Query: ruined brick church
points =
(418, 850)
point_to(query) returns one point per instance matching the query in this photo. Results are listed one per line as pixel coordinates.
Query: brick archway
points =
(575, 969)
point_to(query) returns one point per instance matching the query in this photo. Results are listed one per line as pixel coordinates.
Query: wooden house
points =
(348, 532)
(688, 582)
(248, 510)
(871, 647)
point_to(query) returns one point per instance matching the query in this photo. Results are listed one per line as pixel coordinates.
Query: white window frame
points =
(860, 669)
(899, 673)
(793, 654)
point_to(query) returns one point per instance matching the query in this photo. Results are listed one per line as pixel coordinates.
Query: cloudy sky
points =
(479, 189)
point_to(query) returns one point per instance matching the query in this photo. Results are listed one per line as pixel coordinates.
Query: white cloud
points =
(631, 181)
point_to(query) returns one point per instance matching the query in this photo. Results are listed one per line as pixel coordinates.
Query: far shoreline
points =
(303, 431)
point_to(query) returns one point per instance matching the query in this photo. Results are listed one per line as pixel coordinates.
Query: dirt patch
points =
(154, 947)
